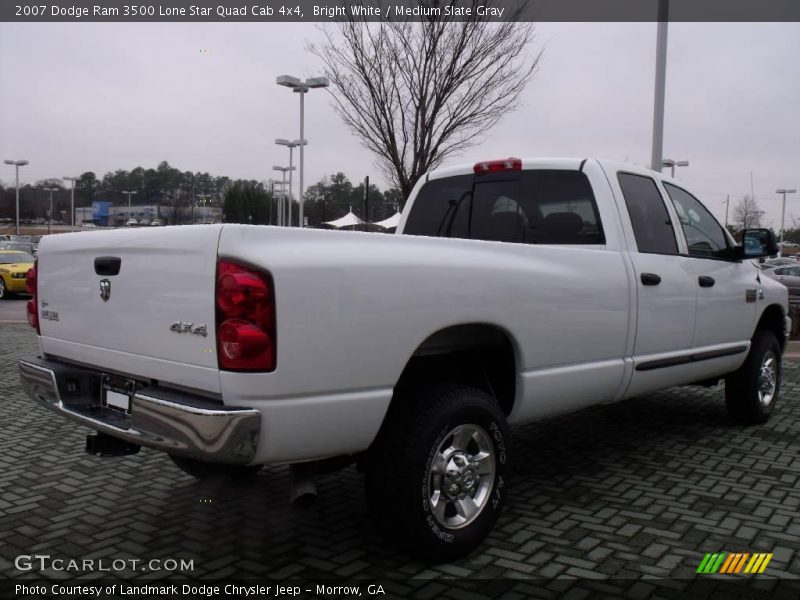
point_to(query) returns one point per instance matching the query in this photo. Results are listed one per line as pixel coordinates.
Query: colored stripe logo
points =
(734, 563)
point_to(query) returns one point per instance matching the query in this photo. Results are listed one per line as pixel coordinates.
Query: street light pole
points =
(291, 145)
(131, 193)
(281, 210)
(50, 219)
(72, 201)
(783, 191)
(302, 87)
(17, 164)
(661, 74)
(668, 162)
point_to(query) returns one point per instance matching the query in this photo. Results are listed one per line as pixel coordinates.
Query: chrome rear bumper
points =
(175, 422)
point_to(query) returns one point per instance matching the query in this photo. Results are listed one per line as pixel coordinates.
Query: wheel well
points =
(772, 320)
(479, 355)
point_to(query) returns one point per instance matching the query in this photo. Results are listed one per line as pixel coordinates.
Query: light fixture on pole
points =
(783, 191)
(281, 211)
(668, 162)
(131, 193)
(302, 87)
(50, 216)
(291, 145)
(72, 201)
(17, 164)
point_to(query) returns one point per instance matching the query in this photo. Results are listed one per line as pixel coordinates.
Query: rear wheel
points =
(3, 291)
(204, 470)
(437, 475)
(752, 392)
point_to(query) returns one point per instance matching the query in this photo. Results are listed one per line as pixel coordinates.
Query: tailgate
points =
(145, 320)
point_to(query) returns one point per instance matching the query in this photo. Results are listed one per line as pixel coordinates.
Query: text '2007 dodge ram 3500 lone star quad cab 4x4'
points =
(513, 290)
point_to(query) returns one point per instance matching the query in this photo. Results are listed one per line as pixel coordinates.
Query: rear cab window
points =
(526, 207)
(650, 220)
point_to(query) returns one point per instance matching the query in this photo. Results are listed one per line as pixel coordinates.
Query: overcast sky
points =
(97, 97)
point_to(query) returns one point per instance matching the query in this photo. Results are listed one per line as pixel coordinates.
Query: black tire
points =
(4, 293)
(204, 470)
(401, 482)
(747, 390)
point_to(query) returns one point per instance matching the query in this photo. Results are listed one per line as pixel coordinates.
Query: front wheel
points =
(752, 392)
(437, 475)
(203, 470)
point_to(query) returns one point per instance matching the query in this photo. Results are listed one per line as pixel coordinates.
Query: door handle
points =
(107, 265)
(706, 281)
(650, 279)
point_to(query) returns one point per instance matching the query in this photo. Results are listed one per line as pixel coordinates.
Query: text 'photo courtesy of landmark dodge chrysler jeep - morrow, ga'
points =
(513, 290)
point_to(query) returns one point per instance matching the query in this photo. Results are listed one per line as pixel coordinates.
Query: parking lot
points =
(643, 488)
(12, 310)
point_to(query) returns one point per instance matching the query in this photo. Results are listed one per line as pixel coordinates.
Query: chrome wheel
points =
(767, 378)
(2, 288)
(461, 476)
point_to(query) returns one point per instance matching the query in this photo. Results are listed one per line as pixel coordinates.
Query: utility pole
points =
(366, 203)
(783, 191)
(727, 204)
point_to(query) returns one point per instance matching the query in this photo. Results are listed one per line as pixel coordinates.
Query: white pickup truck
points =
(513, 290)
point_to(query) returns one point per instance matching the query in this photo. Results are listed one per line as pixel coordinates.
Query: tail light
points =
(32, 285)
(495, 166)
(245, 301)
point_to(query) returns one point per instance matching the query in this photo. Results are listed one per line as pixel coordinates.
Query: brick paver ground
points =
(642, 488)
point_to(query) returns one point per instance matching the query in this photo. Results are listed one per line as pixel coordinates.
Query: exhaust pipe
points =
(101, 444)
(303, 488)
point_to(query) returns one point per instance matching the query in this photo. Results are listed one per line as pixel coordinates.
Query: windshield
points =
(15, 257)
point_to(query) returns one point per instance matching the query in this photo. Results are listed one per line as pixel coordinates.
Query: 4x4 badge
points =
(105, 289)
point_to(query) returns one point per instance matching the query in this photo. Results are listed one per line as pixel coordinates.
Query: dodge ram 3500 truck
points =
(513, 290)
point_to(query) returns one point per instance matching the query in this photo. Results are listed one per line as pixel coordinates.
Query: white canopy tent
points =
(348, 220)
(389, 223)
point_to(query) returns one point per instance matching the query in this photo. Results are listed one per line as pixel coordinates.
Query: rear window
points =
(531, 207)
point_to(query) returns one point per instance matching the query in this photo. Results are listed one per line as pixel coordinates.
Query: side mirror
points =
(757, 243)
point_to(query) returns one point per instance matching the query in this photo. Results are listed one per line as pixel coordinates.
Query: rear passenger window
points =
(704, 235)
(649, 217)
(532, 207)
(561, 209)
(441, 208)
(496, 213)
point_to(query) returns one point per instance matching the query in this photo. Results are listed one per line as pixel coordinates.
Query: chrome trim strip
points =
(220, 436)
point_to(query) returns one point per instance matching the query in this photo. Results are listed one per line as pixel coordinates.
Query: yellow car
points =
(14, 267)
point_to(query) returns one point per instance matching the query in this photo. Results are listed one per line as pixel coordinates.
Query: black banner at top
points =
(32, 11)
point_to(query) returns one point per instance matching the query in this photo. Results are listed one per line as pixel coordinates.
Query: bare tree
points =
(418, 92)
(746, 214)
